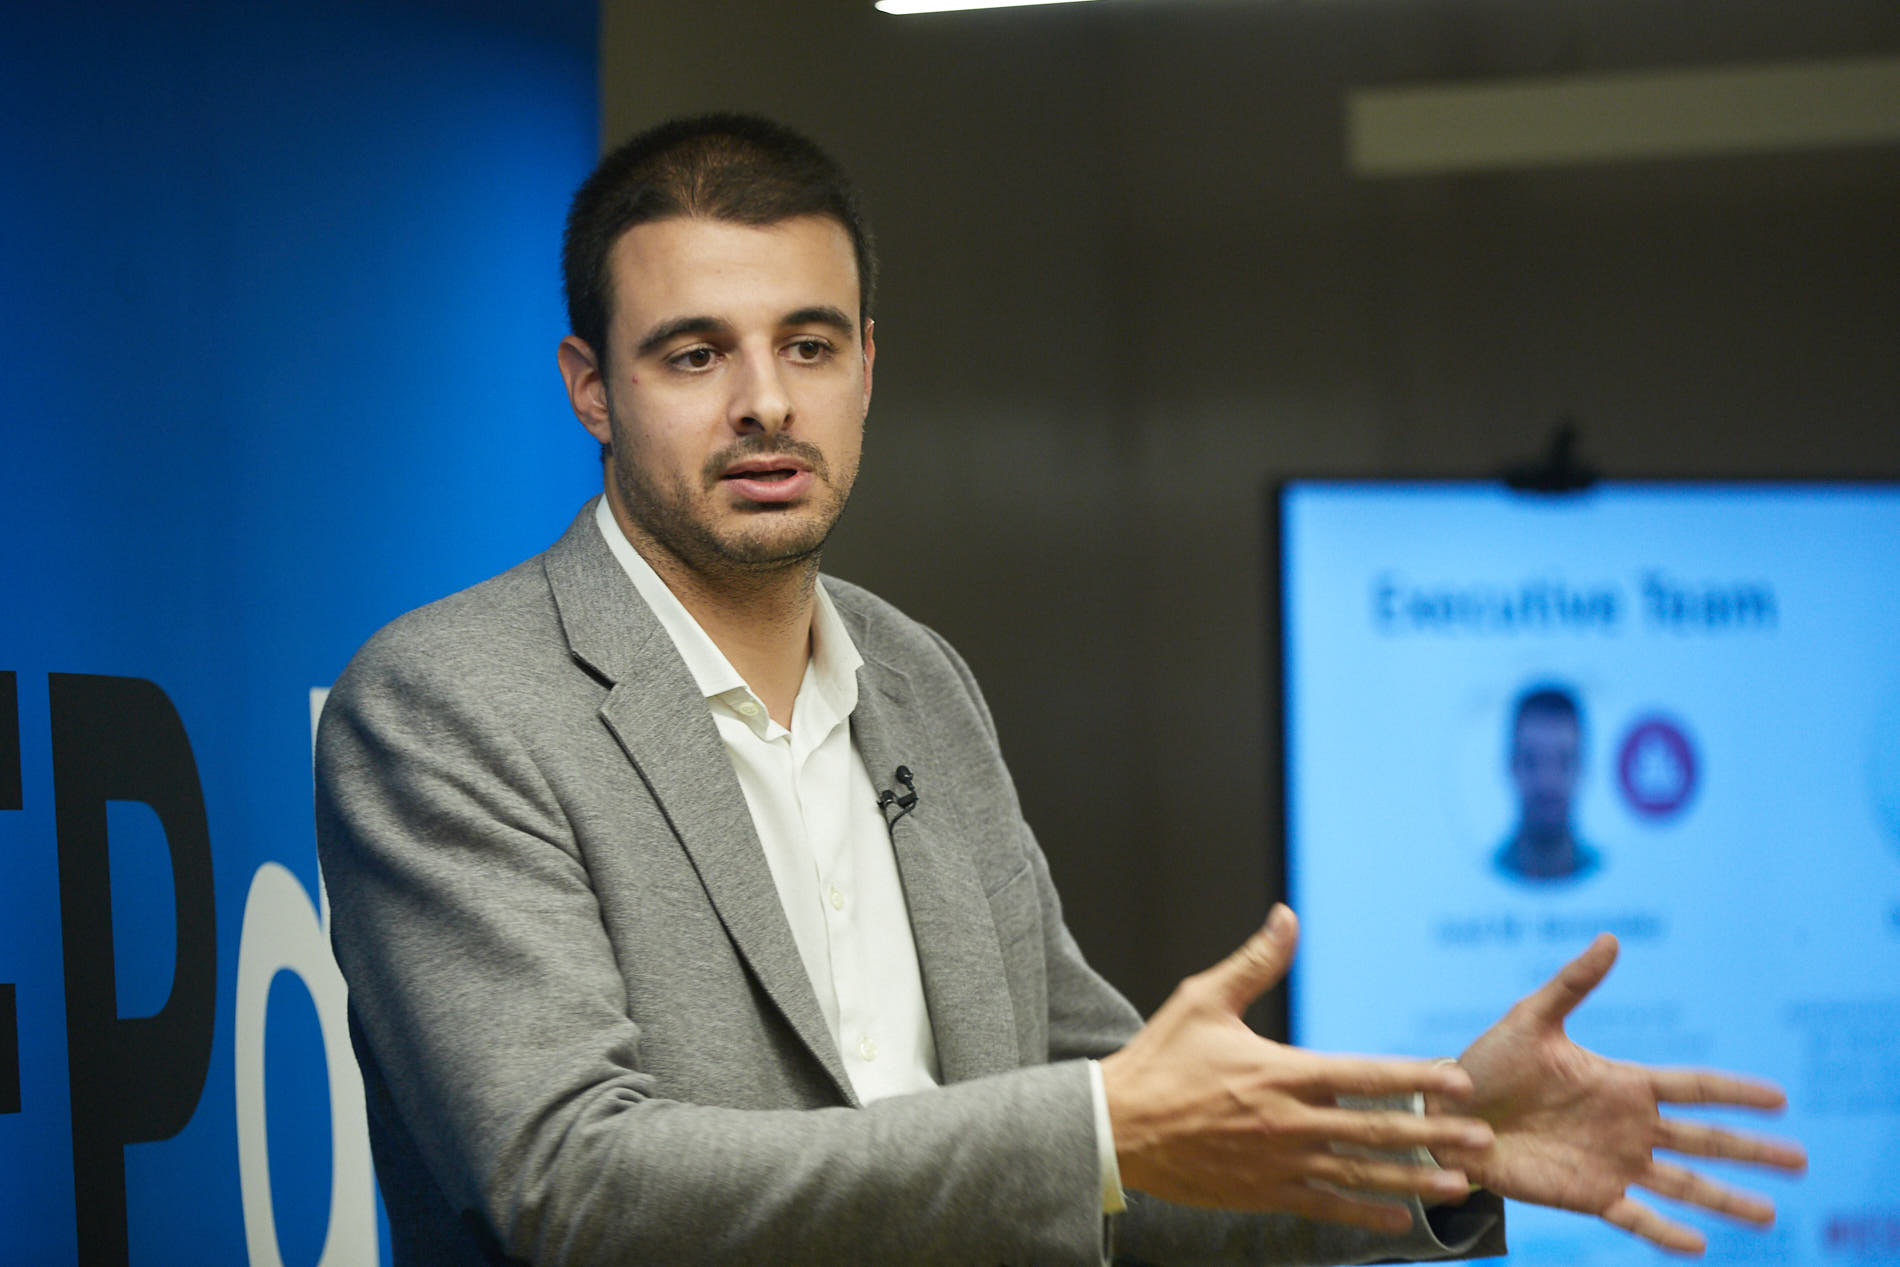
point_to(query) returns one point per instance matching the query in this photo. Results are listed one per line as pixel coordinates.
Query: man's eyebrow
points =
(821, 315)
(667, 331)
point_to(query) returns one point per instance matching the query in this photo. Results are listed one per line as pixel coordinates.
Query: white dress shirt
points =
(828, 848)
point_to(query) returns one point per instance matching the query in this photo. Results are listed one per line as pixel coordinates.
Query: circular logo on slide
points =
(1656, 768)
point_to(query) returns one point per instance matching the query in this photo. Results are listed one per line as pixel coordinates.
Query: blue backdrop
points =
(279, 295)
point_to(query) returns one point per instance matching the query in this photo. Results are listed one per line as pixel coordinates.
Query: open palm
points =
(1577, 1131)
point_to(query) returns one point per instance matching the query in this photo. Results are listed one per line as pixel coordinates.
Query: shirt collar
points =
(830, 683)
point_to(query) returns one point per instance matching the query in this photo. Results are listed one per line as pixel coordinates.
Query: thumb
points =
(1559, 996)
(1259, 964)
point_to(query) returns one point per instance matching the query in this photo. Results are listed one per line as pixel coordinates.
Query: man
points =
(1546, 758)
(689, 914)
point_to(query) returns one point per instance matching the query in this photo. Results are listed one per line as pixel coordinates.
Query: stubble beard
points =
(759, 543)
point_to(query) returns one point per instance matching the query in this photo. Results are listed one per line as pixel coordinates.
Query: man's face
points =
(735, 391)
(1545, 756)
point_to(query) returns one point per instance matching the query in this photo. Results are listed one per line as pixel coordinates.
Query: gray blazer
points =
(585, 1031)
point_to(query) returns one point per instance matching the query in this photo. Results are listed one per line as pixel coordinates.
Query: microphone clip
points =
(905, 803)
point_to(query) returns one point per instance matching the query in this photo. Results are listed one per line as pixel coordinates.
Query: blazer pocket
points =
(1016, 909)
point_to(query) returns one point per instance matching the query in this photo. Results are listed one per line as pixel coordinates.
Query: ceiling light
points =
(945, 6)
(1617, 116)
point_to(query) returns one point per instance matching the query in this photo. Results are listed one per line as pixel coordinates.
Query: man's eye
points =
(694, 358)
(810, 349)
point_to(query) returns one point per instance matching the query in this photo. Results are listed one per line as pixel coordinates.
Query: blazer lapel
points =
(660, 719)
(965, 985)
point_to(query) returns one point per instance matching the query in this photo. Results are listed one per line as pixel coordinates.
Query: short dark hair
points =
(1547, 700)
(734, 167)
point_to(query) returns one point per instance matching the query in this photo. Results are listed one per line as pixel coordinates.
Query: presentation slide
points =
(1668, 711)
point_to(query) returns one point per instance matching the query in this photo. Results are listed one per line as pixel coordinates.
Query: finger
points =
(1559, 996)
(1705, 1086)
(1325, 1077)
(1682, 1184)
(1373, 1174)
(1392, 1130)
(1260, 962)
(1709, 1141)
(1329, 1206)
(1635, 1217)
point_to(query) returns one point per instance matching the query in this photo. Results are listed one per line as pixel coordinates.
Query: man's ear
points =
(870, 359)
(586, 386)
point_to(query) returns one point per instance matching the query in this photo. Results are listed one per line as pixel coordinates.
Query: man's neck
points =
(763, 627)
(760, 620)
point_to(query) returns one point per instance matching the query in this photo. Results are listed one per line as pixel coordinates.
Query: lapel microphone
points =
(905, 803)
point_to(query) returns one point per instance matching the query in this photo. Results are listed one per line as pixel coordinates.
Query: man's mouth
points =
(768, 479)
(766, 466)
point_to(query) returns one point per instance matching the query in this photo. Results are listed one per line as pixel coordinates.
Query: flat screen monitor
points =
(1666, 710)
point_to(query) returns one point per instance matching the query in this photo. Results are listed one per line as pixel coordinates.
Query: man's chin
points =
(768, 534)
(735, 542)
(774, 551)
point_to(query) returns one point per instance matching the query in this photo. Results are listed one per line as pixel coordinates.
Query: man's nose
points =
(760, 401)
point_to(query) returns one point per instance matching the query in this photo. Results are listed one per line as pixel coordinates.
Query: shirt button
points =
(837, 900)
(749, 709)
(867, 1050)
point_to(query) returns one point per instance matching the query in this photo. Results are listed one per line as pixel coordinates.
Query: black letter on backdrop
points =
(133, 1078)
(9, 1051)
(10, 798)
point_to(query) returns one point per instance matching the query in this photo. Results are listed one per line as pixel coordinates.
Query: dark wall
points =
(1129, 281)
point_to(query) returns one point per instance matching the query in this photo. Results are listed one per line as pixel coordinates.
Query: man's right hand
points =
(1207, 1112)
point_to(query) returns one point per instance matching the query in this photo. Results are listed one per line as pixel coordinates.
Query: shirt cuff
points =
(1421, 1155)
(1113, 1202)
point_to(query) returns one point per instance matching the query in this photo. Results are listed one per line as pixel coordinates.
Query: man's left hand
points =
(1576, 1131)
